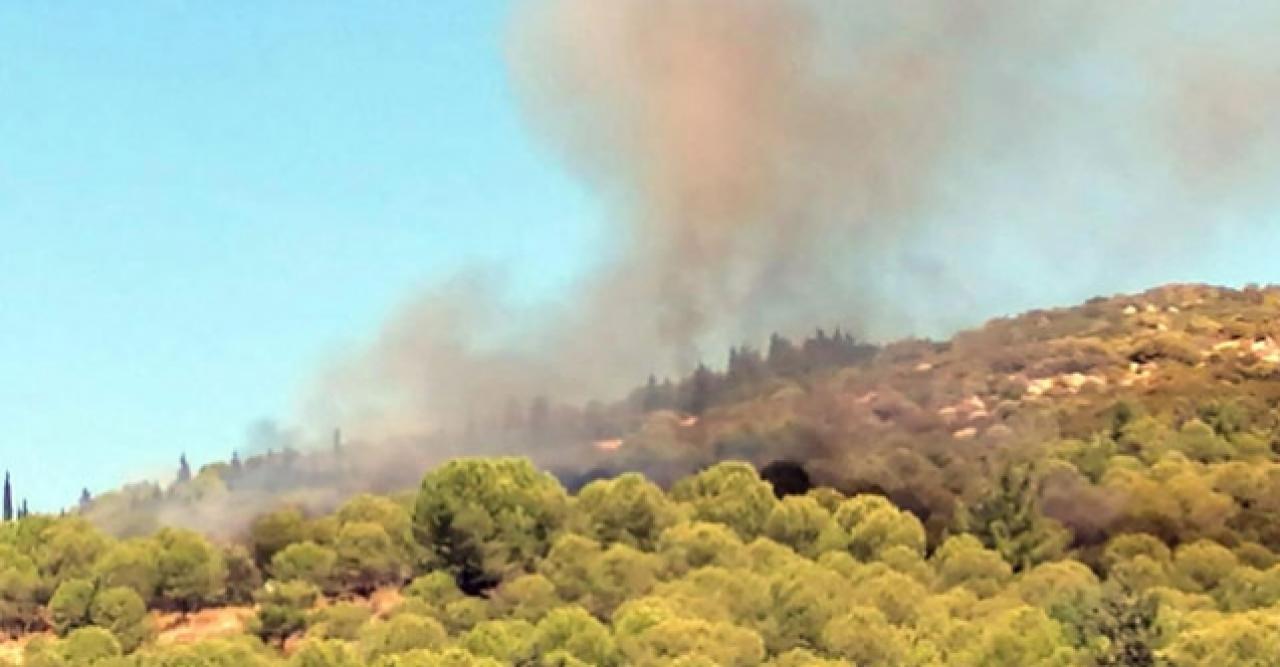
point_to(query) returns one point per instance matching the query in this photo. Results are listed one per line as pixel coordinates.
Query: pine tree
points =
(1127, 620)
(784, 358)
(1007, 518)
(184, 470)
(700, 391)
(745, 366)
(8, 498)
(651, 400)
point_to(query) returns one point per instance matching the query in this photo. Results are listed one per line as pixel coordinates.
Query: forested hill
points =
(926, 423)
(1095, 485)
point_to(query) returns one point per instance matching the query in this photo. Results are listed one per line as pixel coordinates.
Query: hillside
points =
(1094, 485)
(1189, 369)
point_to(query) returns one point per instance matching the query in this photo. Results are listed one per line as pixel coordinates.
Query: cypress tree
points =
(651, 401)
(85, 498)
(700, 391)
(8, 498)
(184, 470)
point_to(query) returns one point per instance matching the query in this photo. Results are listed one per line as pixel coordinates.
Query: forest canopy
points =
(1087, 486)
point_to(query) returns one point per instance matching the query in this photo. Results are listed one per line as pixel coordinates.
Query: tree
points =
(19, 586)
(1201, 566)
(134, 563)
(192, 572)
(306, 561)
(599, 579)
(437, 588)
(504, 640)
(865, 637)
(69, 606)
(730, 493)
(366, 558)
(576, 632)
(652, 398)
(485, 518)
(272, 532)
(963, 561)
(1021, 636)
(8, 498)
(1008, 519)
(282, 609)
(401, 634)
(1066, 590)
(69, 547)
(745, 366)
(325, 653)
(784, 358)
(689, 546)
(243, 576)
(1128, 623)
(526, 598)
(649, 635)
(802, 600)
(628, 509)
(184, 470)
(874, 525)
(90, 646)
(701, 391)
(229, 652)
(802, 524)
(341, 620)
(1251, 638)
(1198, 441)
(122, 611)
(392, 516)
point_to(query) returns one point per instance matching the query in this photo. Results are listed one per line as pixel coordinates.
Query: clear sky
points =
(202, 202)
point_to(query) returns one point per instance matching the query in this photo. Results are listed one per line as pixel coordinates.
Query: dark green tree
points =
(8, 498)
(1127, 621)
(486, 518)
(701, 390)
(1007, 518)
(184, 470)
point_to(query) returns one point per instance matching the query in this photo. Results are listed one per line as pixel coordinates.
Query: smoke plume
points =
(896, 167)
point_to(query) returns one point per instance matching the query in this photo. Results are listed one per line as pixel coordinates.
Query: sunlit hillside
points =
(1095, 485)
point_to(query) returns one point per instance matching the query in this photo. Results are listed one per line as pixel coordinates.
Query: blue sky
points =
(201, 203)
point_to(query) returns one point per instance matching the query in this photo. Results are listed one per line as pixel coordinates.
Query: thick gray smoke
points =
(899, 167)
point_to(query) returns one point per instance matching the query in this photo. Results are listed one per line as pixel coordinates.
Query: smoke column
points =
(898, 167)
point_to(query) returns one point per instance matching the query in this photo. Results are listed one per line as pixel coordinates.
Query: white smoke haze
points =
(896, 167)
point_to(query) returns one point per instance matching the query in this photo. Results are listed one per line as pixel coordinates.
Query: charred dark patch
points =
(788, 478)
(574, 481)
